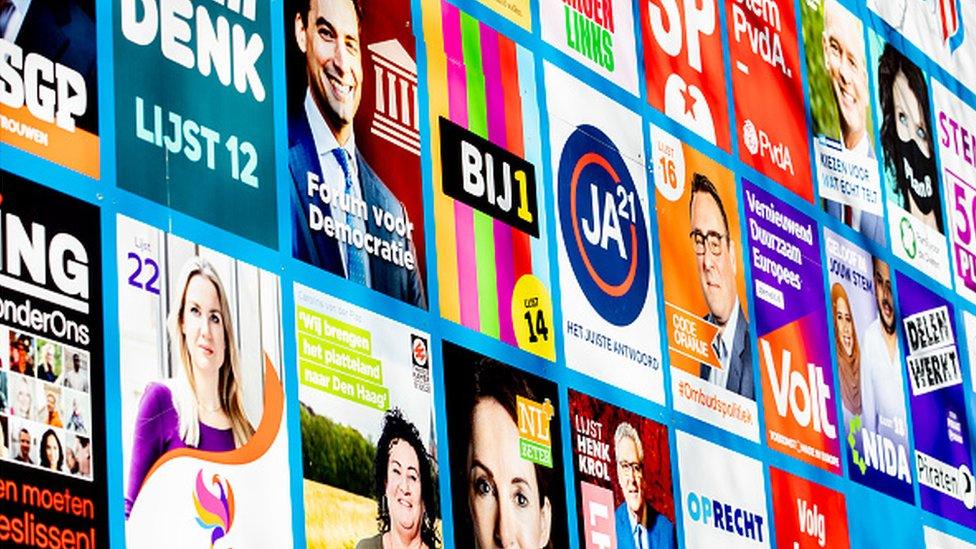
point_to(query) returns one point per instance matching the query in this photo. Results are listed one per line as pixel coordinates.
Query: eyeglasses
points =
(712, 238)
(630, 468)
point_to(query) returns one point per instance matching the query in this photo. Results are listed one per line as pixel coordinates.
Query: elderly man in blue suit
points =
(639, 525)
(716, 265)
(335, 194)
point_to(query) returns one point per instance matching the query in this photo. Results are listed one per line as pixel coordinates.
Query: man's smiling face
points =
(329, 38)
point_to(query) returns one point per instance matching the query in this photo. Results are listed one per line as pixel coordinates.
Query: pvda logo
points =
(603, 226)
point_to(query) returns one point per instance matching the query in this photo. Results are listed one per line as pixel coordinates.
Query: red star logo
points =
(689, 102)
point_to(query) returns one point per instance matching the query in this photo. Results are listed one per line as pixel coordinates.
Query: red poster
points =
(808, 515)
(683, 62)
(773, 135)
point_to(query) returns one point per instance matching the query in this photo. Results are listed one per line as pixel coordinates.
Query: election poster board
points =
(491, 227)
(945, 30)
(723, 495)
(943, 452)
(358, 215)
(934, 539)
(703, 237)
(199, 466)
(874, 419)
(954, 120)
(910, 181)
(794, 350)
(683, 65)
(504, 438)
(49, 97)
(845, 157)
(367, 422)
(52, 370)
(200, 143)
(807, 515)
(598, 34)
(622, 474)
(765, 56)
(606, 272)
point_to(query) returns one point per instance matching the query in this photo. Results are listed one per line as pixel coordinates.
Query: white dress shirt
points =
(332, 174)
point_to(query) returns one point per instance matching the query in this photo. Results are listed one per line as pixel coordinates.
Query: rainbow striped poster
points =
(492, 251)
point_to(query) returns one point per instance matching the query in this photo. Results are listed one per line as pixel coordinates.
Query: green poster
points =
(194, 110)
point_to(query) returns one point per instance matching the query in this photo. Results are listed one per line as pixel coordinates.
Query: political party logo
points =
(215, 511)
(908, 238)
(684, 63)
(589, 30)
(724, 516)
(603, 225)
(488, 178)
(420, 357)
(535, 436)
(953, 31)
(418, 351)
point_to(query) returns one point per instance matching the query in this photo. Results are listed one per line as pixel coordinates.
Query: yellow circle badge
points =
(532, 317)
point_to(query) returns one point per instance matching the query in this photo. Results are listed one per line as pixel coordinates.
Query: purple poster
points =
(791, 321)
(942, 459)
(870, 380)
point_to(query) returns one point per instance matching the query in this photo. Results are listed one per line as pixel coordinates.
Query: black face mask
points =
(917, 174)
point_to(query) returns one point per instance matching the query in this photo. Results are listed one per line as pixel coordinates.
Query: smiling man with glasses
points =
(716, 264)
(639, 525)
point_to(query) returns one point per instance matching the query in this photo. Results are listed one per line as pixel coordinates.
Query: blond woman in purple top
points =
(202, 406)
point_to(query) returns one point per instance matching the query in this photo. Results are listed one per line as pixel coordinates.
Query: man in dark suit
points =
(335, 194)
(62, 32)
(639, 525)
(716, 265)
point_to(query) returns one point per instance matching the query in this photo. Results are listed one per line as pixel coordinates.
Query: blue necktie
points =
(638, 534)
(355, 257)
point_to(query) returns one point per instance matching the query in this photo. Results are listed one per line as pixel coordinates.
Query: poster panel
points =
(623, 477)
(367, 420)
(954, 122)
(492, 250)
(355, 188)
(945, 30)
(765, 59)
(52, 401)
(807, 515)
(848, 181)
(49, 97)
(684, 65)
(911, 184)
(791, 321)
(874, 425)
(518, 11)
(606, 272)
(943, 459)
(599, 34)
(723, 496)
(935, 539)
(199, 144)
(505, 454)
(204, 444)
(698, 216)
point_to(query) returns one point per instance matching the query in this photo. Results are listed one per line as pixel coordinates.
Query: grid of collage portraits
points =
(45, 404)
